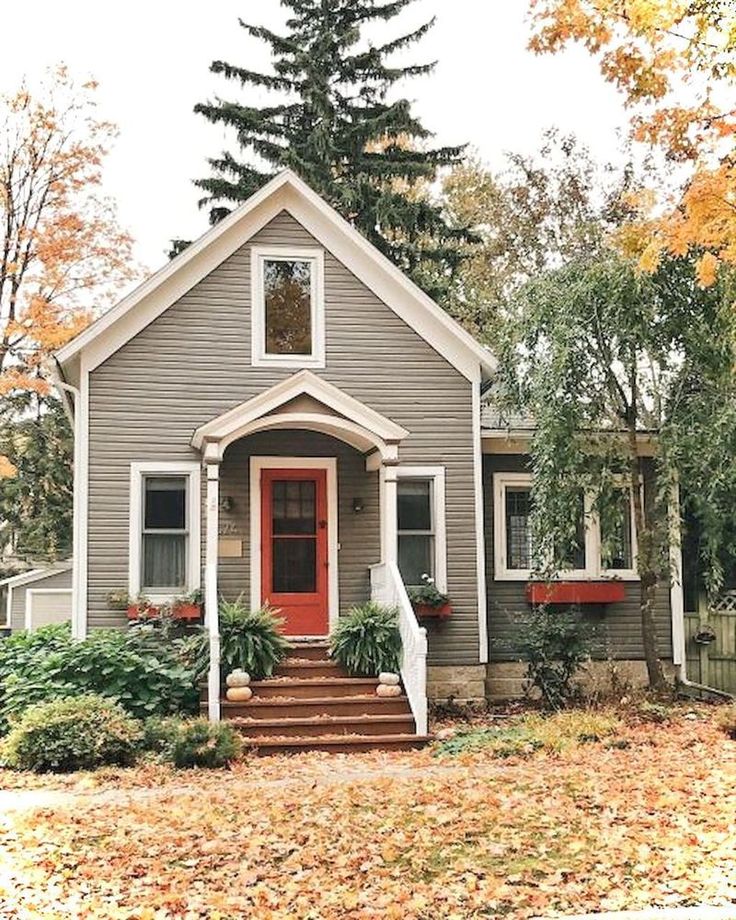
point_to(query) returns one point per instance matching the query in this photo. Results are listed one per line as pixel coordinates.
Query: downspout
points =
(74, 414)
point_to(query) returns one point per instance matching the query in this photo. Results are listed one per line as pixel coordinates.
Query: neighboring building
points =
(280, 412)
(37, 598)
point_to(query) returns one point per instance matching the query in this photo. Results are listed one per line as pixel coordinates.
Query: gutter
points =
(71, 398)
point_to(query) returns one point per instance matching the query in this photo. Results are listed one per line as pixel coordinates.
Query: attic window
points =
(288, 307)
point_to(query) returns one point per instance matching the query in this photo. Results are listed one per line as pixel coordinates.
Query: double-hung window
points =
(287, 313)
(422, 549)
(164, 529)
(591, 551)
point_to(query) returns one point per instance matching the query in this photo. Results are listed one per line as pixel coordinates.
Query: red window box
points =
(427, 611)
(180, 612)
(575, 592)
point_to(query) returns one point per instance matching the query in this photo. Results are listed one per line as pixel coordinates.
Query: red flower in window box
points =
(575, 592)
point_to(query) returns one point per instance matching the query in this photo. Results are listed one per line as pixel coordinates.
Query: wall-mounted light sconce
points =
(226, 504)
(358, 505)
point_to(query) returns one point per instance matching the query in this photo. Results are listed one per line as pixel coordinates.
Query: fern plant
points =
(367, 641)
(249, 639)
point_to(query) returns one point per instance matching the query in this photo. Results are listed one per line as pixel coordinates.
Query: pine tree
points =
(334, 126)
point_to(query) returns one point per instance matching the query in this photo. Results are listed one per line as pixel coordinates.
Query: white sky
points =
(151, 58)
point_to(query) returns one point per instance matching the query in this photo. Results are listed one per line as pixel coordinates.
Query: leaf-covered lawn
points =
(595, 826)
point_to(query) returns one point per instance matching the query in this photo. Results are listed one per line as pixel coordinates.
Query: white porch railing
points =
(387, 587)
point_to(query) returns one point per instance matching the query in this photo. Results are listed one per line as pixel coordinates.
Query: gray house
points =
(280, 412)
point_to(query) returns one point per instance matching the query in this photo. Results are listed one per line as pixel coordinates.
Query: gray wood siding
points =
(193, 363)
(616, 627)
(18, 599)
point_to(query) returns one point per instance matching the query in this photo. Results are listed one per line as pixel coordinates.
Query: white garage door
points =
(49, 605)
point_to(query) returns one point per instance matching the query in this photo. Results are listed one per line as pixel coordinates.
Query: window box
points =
(427, 611)
(186, 611)
(575, 592)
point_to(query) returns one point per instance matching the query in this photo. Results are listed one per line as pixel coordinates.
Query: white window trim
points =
(194, 512)
(316, 257)
(622, 574)
(31, 593)
(436, 474)
(594, 568)
(257, 465)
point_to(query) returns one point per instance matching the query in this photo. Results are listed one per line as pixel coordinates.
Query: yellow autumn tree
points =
(675, 63)
(63, 255)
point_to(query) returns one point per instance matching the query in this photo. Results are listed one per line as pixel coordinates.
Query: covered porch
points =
(301, 514)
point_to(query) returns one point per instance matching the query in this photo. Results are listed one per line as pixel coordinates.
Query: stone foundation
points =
(462, 683)
(506, 680)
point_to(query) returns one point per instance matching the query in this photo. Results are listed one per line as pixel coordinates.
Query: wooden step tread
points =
(325, 700)
(293, 662)
(337, 743)
(315, 682)
(321, 720)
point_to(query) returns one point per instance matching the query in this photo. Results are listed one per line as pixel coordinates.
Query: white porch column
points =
(389, 513)
(212, 619)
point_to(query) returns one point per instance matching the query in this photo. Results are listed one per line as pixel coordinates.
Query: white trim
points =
(211, 601)
(81, 558)
(439, 517)
(285, 192)
(677, 594)
(316, 259)
(31, 593)
(194, 503)
(593, 570)
(376, 430)
(500, 481)
(257, 465)
(480, 537)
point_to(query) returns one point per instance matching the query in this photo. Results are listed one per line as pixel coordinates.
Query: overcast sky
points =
(151, 58)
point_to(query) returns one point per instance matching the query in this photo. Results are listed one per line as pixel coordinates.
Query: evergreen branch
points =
(278, 43)
(250, 77)
(410, 39)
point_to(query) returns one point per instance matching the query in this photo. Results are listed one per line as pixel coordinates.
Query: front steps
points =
(311, 704)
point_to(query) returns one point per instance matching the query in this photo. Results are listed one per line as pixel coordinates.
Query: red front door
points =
(294, 555)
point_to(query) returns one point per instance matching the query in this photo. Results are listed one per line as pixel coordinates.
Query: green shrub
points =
(199, 743)
(367, 641)
(139, 667)
(555, 643)
(249, 639)
(159, 735)
(81, 733)
(726, 719)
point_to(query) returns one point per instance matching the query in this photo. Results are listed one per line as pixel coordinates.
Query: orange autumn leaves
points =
(645, 821)
(675, 63)
(62, 253)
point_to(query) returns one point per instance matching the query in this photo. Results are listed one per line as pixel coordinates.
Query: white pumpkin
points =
(239, 694)
(388, 690)
(391, 680)
(237, 678)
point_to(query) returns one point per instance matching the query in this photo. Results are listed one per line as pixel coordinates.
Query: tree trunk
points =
(646, 564)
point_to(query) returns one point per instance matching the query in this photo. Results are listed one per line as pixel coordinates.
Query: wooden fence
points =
(712, 663)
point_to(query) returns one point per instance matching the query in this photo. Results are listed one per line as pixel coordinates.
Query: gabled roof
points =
(349, 419)
(27, 578)
(285, 192)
